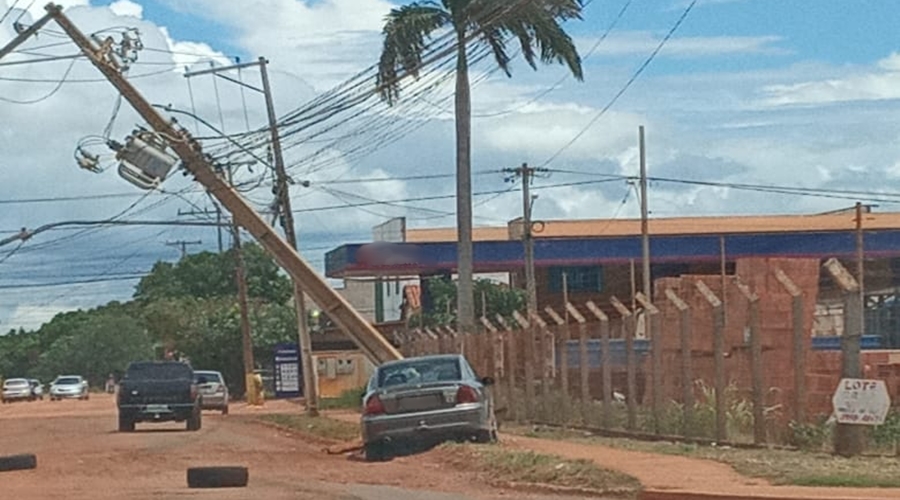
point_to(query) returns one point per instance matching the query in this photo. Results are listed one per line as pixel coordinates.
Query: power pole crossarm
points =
(372, 343)
(31, 30)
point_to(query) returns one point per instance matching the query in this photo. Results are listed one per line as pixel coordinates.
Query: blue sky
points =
(746, 91)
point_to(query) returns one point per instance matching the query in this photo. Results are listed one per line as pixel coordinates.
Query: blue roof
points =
(372, 259)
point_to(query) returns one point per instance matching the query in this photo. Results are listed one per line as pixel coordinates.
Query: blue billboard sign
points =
(288, 378)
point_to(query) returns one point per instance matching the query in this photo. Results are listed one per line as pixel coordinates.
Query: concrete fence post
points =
(655, 359)
(583, 363)
(629, 325)
(687, 376)
(562, 343)
(718, 312)
(528, 342)
(849, 439)
(756, 366)
(512, 366)
(798, 344)
(605, 362)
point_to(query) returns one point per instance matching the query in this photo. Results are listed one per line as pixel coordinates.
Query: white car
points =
(69, 387)
(17, 389)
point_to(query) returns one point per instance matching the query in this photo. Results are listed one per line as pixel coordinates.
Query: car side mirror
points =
(487, 380)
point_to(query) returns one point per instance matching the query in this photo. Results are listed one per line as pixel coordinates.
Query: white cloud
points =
(879, 83)
(642, 42)
(127, 8)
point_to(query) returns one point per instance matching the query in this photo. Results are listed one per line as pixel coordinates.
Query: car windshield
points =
(207, 378)
(419, 371)
(159, 371)
(68, 381)
(15, 382)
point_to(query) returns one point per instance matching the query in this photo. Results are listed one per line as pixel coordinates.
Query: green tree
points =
(536, 24)
(208, 275)
(490, 297)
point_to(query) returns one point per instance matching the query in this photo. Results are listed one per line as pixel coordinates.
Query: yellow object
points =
(255, 390)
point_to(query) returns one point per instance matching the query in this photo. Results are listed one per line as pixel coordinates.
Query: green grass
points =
(322, 427)
(348, 400)
(783, 467)
(502, 465)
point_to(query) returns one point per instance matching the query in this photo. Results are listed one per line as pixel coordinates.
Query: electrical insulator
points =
(144, 160)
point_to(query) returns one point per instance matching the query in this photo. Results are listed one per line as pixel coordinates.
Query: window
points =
(345, 366)
(578, 278)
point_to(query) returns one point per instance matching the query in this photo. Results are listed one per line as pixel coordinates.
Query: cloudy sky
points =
(758, 92)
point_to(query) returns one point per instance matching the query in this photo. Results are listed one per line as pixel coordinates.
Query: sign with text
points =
(861, 401)
(288, 379)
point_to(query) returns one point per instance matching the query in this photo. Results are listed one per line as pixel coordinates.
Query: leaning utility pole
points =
(370, 341)
(310, 389)
(645, 229)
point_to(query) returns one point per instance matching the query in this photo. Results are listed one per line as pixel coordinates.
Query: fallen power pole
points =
(370, 341)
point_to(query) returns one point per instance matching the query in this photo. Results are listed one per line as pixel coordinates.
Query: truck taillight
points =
(466, 394)
(374, 406)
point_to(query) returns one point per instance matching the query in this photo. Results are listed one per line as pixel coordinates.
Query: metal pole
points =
(645, 231)
(311, 392)
(861, 265)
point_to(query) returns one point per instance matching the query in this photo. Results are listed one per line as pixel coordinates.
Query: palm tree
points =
(491, 23)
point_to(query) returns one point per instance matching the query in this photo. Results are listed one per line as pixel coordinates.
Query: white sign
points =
(861, 401)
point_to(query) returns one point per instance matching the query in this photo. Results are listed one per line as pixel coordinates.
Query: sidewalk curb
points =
(688, 495)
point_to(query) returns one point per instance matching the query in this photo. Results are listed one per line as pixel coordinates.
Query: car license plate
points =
(157, 408)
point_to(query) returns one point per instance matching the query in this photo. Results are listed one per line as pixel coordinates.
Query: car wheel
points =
(217, 477)
(18, 462)
(194, 422)
(376, 452)
(126, 424)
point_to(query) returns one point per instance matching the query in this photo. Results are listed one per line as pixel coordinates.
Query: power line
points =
(73, 282)
(627, 85)
(48, 95)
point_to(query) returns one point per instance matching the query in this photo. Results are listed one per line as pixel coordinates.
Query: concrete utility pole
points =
(370, 341)
(645, 230)
(527, 173)
(240, 277)
(861, 265)
(310, 389)
(183, 244)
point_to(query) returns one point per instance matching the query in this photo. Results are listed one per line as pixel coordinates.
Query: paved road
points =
(81, 456)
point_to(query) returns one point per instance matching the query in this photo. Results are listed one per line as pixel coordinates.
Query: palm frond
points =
(406, 32)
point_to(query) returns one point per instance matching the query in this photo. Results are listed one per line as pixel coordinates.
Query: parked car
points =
(17, 389)
(158, 391)
(37, 389)
(69, 387)
(437, 397)
(213, 391)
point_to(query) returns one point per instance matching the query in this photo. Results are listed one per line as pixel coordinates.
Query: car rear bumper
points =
(214, 401)
(157, 413)
(462, 420)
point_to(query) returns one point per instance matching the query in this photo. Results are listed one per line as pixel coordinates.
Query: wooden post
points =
(718, 313)
(687, 376)
(436, 343)
(849, 439)
(605, 362)
(651, 318)
(494, 344)
(512, 366)
(799, 344)
(583, 363)
(562, 347)
(756, 367)
(628, 328)
(528, 341)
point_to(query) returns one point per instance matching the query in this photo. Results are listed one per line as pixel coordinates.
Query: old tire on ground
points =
(217, 477)
(18, 462)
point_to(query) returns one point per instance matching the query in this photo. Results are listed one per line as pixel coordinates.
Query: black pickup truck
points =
(158, 391)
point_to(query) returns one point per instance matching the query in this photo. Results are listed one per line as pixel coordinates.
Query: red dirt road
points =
(81, 456)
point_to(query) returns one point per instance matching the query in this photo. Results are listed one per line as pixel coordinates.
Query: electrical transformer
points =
(144, 161)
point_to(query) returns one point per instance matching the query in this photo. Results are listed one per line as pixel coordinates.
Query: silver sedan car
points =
(426, 398)
(213, 391)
